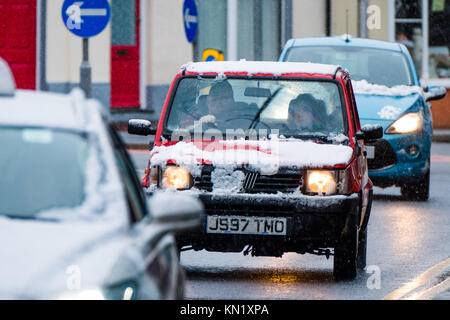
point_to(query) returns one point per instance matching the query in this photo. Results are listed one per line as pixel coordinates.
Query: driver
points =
(220, 101)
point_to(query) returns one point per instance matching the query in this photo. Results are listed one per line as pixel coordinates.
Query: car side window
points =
(135, 194)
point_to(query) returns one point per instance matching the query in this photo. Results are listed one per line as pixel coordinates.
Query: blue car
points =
(388, 93)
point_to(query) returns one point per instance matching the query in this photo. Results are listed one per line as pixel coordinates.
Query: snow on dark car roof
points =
(7, 84)
(35, 108)
(260, 67)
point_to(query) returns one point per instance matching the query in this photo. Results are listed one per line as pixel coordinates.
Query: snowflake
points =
(389, 112)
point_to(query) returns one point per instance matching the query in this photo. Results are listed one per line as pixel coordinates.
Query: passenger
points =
(304, 114)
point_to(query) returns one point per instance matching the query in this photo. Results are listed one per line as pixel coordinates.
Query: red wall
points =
(18, 40)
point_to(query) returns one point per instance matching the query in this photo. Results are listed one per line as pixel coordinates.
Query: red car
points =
(275, 152)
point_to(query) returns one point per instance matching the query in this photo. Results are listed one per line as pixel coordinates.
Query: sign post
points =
(86, 19)
(190, 19)
(86, 70)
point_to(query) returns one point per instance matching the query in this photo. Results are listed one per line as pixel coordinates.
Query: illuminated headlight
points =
(326, 182)
(408, 123)
(176, 177)
(320, 182)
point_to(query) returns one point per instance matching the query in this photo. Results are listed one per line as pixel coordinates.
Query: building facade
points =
(135, 58)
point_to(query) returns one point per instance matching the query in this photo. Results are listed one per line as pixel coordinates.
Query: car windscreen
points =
(376, 66)
(41, 169)
(292, 107)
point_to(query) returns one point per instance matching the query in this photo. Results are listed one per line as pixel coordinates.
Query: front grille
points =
(384, 155)
(284, 181)
(248, 210)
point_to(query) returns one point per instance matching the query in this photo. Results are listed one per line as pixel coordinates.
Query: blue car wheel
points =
(419, 191)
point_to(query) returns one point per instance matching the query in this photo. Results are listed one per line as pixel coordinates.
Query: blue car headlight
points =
(408, 123)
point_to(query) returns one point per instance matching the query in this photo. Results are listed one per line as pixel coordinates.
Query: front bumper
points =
(312, 222)
(394, 165)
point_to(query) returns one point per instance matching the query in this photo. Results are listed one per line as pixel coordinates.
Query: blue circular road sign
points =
(190, 19)
(86, 18)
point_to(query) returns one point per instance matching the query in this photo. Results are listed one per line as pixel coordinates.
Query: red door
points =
(125, 54)
(18, 40)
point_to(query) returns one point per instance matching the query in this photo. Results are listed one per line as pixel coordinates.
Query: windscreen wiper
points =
(261, 110)
(321, 138)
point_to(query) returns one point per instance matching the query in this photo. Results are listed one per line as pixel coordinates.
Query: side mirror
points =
(370, 132)
(140, 127)
(176, 211)
(435, 93)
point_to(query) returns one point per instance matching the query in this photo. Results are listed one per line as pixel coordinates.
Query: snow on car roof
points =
(35, 108)
(263, 67)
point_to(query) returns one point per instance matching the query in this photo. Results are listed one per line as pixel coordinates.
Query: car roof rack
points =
(7, 83)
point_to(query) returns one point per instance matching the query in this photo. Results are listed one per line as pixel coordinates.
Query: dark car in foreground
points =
(74, 220)
(275, 152)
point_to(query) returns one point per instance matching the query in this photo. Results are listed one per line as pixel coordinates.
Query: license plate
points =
(370, 152)
(246, 225)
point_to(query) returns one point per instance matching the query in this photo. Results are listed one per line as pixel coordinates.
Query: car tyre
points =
(362, 250)
(346, 253)
(419, 191)
(180, 291)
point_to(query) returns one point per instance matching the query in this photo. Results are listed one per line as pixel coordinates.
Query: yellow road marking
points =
(420, 281)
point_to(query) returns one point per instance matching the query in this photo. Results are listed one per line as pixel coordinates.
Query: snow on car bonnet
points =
(257, 67)
(265, 156)
(364, 87)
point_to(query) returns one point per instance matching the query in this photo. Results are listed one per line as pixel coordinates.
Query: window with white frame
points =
(408, 30)
(262, 28)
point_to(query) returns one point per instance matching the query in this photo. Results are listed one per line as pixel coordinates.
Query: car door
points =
(162, 257)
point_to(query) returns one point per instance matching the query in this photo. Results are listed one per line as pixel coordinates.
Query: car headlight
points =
(176, 177)
(321, 182)
(408, 123)
(326, 182)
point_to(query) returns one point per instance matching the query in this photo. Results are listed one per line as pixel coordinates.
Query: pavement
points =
(441, 135)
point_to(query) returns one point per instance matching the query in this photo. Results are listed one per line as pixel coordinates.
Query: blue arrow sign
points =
(86, 18)
(190, 19)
